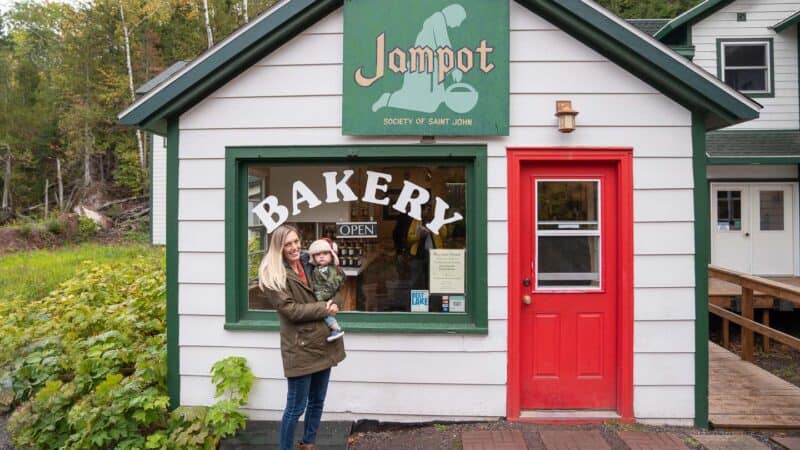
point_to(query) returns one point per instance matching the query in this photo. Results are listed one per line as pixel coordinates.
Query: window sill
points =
(374, 326)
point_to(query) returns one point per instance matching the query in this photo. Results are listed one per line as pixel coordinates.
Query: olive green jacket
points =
(304, 347)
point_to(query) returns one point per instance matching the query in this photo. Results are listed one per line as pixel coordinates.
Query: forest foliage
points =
(64, 78)
(67, 70)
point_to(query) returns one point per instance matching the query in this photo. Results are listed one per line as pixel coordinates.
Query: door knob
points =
(747, 235)
(526, 299)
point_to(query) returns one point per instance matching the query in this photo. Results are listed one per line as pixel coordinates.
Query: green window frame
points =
(770, 60)
(474, 321)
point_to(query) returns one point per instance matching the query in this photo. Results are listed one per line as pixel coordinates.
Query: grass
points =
(33, 274)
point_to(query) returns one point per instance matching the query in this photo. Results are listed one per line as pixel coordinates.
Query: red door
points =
(569, 281)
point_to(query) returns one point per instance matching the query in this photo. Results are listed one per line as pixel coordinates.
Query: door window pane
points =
(771, 208)
(567, 205)
(568, 234)
(729, 210)
(569, 261)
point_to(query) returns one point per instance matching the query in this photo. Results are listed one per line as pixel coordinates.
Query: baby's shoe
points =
(335, 334)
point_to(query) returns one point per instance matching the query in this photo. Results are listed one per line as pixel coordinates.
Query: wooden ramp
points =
(743, 395)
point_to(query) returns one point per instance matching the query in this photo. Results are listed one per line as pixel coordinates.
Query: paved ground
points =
(503, 435)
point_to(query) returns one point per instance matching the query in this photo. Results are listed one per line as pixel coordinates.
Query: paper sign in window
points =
(447, 271)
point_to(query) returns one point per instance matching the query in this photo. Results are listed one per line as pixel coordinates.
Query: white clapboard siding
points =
(367, 398)
(752, 171)
(363, 366)
(647, 142)
(293, 98)
(201, 299)
(663, 271)
(780, 112)
(663, 402)
(202, 236)
(158, 191)
(664, 303)
(669, 336)
(662, 173)
(655, 369)
(649, 238)
(663, 205)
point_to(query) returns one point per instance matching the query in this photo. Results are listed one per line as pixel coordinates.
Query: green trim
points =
(794, 19)
(474, 321)
(173, 329)
(614, 40)
(691, 16)
(798, 61)
(687, 51)
(752, 160)
(702, 249)
(771, 69)
(230, 59)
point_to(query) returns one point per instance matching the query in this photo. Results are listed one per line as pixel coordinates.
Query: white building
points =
(752, 167)
(579, 243)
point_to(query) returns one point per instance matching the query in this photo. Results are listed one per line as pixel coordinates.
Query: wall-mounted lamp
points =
(566, 116)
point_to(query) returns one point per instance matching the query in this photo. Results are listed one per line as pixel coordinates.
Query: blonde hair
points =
(271, 271)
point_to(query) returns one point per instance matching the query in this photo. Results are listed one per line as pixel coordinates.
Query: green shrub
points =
(54, 226)
(86, 367)
(26, 229)
(86, 227)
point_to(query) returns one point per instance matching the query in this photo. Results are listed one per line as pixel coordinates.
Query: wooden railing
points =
(753, 286)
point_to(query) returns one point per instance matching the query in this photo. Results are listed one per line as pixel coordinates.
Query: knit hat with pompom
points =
(321, 246)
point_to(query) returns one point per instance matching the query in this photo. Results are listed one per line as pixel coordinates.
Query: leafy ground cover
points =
(84, 367)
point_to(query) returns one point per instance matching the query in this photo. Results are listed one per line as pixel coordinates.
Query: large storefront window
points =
(409, 224)
(393, 262)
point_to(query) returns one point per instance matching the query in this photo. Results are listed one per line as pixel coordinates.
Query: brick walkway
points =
(637, 440)
(572, 440)
(493, 440)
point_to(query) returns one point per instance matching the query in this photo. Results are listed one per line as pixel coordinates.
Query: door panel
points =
(772, 233)
(569, 252)
(730, 225)
(753, 228)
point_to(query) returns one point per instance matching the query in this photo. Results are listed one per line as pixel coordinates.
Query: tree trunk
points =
(7, 178)
(87, 157)
(208, 25)
(246, 15)
(127, 36)
(60, 185)
(46, 197)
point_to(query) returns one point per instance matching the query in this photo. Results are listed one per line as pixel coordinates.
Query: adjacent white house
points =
(570, 272)
(752, 167)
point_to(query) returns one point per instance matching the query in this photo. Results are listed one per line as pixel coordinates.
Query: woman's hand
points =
(333, 308)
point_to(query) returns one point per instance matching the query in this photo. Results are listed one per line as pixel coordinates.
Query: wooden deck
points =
(722, 293)
(742, 395)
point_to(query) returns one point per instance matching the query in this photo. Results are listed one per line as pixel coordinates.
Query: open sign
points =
(350, 230)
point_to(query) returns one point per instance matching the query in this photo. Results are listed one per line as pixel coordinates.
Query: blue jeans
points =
(307, 390)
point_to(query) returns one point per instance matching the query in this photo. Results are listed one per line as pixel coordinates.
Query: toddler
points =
(327, 278)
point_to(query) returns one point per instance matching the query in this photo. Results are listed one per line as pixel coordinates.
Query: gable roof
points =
(696, 14)
(611, 36)
(649, 26)
(161, 77)
(787, 22)
(754, 144)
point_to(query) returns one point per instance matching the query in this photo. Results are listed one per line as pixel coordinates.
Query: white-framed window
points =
(568, 234)
(746, 65)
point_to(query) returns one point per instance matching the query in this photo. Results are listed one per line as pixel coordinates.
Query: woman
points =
(284, 275)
